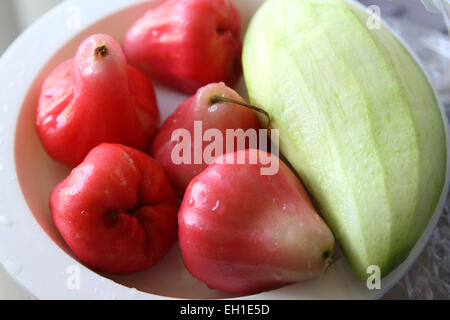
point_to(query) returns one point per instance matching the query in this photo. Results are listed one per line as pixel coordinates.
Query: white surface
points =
(9, 289)
(8, 25)
(28, 11)
(16, 15)
(28, 252)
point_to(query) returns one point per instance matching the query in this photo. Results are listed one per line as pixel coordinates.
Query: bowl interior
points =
(38, 174)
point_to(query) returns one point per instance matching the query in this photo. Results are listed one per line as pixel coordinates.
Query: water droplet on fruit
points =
(213, 108)
(191, 202)
(155, 33)
(48, 120)
(5, 221)
(216, 206)
(284, 207)
(13, 267)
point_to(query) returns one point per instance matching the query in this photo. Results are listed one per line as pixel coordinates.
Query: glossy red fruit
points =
(187, 44)
(218, 116)
(243, 232)
(95, 97)
(117, 210)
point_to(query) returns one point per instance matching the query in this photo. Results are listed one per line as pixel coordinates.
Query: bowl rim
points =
(17, 78)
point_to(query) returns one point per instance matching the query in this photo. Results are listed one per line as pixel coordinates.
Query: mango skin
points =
(358, 120)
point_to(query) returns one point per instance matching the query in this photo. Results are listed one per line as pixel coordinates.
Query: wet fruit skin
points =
(93, 98)
(242, 232)
(187, 44)
(117, 210)
(220, 116)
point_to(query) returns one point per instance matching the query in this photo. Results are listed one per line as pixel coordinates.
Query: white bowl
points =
(31, 249)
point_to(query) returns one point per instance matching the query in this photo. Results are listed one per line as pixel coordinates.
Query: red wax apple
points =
(117, 210)
(187, 43)
(95, 97)
(244, 232)
(201, 110)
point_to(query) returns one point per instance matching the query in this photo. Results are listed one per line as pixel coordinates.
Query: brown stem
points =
(101, 50)
(218, 99)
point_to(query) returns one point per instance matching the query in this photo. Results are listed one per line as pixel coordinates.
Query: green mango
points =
(357, 119)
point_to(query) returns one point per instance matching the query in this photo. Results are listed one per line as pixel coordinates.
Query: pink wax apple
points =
(187, 43)
(93, 98)
(117, 210)
(243, 232)
(209, 115)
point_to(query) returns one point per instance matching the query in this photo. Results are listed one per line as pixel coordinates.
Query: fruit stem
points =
(101, 50)
(218, 99)
(327, 257)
